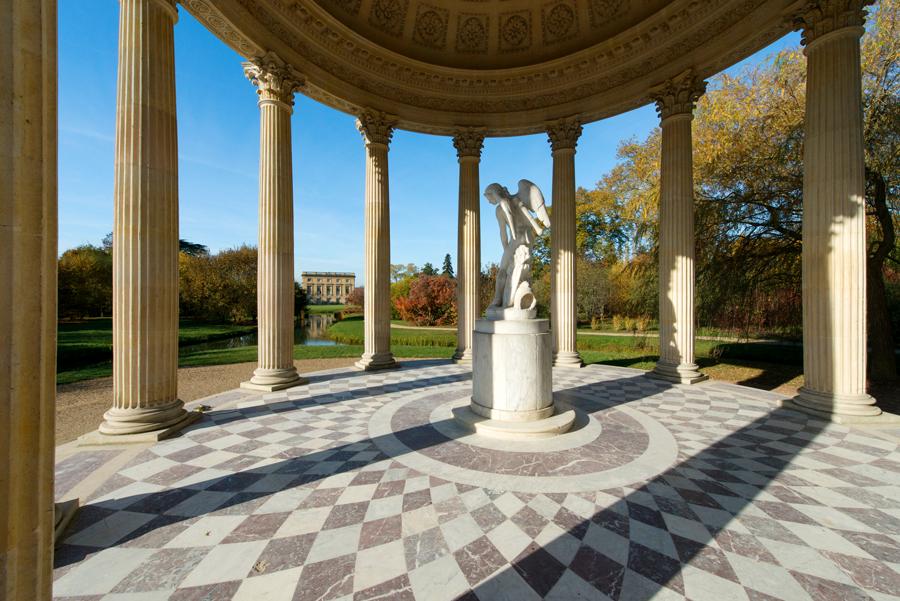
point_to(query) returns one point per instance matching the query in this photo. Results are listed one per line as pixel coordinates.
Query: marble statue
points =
(522, 217)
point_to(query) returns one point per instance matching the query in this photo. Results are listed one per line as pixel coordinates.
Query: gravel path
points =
(80, 405)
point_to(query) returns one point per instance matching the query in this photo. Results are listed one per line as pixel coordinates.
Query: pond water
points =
(311, 333)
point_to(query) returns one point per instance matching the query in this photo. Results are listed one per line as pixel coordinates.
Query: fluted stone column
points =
(563, 135)
(468, 145)
(834, 234)
(377, 130)
(675, 103)
(276, 84)
(27, 296)
(145, 228)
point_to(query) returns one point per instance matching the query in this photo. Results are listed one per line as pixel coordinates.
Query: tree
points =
(431, 301)
(301, 300)
(748, 170)
(447, 269)
(221, 287)
(593, 289)
(85, 282)
(428, 269)
(357, 297)
(400, 271)
(184, 246)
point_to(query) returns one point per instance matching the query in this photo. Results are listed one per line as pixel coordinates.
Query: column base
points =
(377, 362)
(463, 356)
(567, 359)
(63, 512)
(270, 380)
(118, 421)
(101, 436)
(685, 373)
(838, 408)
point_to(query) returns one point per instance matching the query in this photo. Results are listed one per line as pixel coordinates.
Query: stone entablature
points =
(349, 70)
(323, 287)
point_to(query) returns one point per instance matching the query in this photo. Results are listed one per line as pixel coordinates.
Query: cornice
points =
(347, 71)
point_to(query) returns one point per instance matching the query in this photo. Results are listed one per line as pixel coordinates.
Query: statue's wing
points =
(530, 196)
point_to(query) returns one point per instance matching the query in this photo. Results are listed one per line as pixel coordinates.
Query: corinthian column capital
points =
(678, 95)
(376, 127)
(469, 142)
(564, 133)
(275, 80)
(820, 17)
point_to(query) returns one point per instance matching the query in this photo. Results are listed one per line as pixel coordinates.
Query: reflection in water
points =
(311, 333)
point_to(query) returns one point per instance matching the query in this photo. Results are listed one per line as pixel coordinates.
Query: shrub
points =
(357, 298)
(642, 323)
(628, 322)
(595, 323)
(617, 322)
(431, 302)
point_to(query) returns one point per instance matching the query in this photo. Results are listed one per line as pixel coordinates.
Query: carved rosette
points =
(376, 127)
(816, 19)
(469, 143)
(564, 133)
(678, 95)
(275, 80)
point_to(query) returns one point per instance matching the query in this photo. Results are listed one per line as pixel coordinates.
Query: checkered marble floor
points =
(360, 486)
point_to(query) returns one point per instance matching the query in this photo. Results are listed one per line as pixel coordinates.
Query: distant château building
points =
(327, 286)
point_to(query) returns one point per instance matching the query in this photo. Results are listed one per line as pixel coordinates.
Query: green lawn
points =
(87, 349)
(324, 308)
(90, 341)
(350, 331)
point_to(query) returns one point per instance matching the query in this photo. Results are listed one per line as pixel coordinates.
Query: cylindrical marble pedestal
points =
(511, 374)
(512, 381)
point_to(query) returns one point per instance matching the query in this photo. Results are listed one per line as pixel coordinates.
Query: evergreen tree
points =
(448, 267)
(428, 269)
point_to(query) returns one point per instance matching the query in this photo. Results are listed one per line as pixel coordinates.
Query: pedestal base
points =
(98, 437)
(678, 374)
(840, 409)
(377, 362)
(515, 430)
(270, 380)
(568, 359)
(463, 357)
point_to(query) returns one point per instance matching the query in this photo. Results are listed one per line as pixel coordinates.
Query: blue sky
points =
(218, 137)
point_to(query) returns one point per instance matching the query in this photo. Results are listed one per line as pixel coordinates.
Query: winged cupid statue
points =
(522, 217)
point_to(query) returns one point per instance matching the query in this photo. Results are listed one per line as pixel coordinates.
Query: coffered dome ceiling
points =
(506, 65)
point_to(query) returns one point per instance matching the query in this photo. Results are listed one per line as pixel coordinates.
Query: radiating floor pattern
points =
(360, 486)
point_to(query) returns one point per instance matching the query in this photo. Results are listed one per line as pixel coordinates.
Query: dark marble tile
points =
(396, 589)
(325, 497)
(655, 566)
(479, 559)
(165, 569)
(575, 525)
(284, 553)
(424, 547)
(221, 591)
(529, 521)
(162, 501)
(415, 500)
(702, 556)
(867, 573)
(256, 527)
(875, 519)
(173, 474)
(784, 512)
(326, 580)
(744, 544)
(599, 570)
(157, 532)
(379, 532)
(488, 517)
(828, 590)
(880, 546)
(389, 489)
(613, 521)
(346, 514)
(538, 568)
